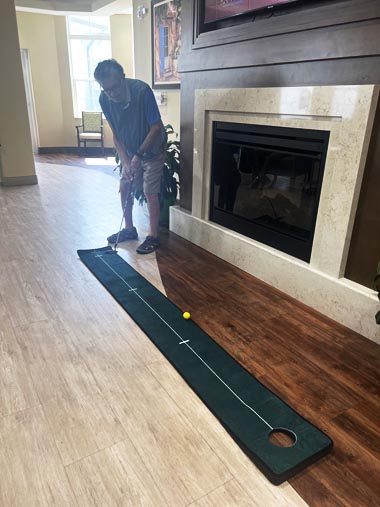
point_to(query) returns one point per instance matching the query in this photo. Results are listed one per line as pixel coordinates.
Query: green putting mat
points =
(249, 411)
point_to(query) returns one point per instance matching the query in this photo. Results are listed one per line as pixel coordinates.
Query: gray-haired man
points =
(140, 139)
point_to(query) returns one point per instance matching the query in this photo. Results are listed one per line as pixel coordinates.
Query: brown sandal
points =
(148, 246)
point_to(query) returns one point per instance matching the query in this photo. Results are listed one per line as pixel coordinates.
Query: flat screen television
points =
(217, 10)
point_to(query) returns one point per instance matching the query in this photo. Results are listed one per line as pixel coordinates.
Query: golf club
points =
(114, 249)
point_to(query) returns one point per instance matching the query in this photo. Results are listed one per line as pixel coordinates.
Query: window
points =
(89, 43)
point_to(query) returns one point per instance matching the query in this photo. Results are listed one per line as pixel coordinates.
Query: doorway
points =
(30, 99)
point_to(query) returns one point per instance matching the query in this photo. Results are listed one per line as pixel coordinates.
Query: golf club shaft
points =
(122, 218)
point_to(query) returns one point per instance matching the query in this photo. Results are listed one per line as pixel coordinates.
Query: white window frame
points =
(77, 112)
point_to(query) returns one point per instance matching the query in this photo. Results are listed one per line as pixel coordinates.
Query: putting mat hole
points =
(281, 437)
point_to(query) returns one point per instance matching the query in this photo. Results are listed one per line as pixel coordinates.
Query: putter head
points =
(113, 251)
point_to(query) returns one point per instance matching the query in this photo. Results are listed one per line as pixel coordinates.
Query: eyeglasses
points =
(113, 89)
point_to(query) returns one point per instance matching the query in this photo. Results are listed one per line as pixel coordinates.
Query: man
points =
(140, 139)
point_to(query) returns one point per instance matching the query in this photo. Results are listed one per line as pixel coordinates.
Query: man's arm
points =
(124, 159)
(133, 165)
(155, 130)
(153, 118)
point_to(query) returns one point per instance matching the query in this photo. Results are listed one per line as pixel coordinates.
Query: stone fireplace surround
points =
(347, 112)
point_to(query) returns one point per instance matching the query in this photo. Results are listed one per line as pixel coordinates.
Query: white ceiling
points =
(98, 7)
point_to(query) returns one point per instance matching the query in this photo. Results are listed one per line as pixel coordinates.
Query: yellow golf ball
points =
(186, 315)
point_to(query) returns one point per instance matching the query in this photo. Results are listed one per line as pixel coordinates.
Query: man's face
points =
(114, 86)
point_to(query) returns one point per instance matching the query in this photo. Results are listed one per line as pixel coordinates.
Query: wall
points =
(16, 155)
(66, 98)
(334, 43)
(122, 41)
(37, 34)
(170, 112)
(45, 36)
(365, 242)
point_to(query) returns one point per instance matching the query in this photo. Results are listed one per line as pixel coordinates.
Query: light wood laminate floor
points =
(91, 414)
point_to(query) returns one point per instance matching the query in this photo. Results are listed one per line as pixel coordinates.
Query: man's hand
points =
(124, 159)
(127, 173)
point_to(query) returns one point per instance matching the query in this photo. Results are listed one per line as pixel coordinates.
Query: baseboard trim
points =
(73, 150)
(56, 149)
(13, 181)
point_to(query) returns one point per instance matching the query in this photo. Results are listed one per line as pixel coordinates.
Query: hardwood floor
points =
(91, 414)
(327, 373)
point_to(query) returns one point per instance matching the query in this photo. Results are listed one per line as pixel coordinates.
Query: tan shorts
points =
(149, 179)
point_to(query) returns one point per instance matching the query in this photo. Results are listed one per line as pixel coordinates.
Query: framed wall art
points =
(166, 43)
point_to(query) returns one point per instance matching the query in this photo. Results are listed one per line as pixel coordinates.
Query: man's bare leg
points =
(126, 198)
(154, 213)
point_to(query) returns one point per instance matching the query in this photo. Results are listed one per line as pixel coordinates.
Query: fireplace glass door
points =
(266, 183)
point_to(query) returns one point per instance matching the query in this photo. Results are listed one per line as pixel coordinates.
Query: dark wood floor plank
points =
(339, 485)
(356, 457)
(314, 491)
(355, 372)
(362, 423)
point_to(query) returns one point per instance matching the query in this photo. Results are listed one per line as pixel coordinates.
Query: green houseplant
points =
(170, 176)
(377, 287)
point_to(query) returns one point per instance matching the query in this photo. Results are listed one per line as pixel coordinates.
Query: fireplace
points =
(266, 183)
(346, 113)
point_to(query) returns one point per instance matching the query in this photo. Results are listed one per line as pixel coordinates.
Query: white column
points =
(16, 153)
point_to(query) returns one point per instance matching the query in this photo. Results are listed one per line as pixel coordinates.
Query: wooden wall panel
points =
(333, 42)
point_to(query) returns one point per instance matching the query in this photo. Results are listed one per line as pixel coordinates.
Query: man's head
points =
(110, 75)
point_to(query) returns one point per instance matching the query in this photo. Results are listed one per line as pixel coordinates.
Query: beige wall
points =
(68, 120)
(16, 155)
(170, 112)
(37, 34)
(122, 42)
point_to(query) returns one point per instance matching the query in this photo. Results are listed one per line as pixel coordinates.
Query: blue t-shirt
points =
(152, 113)
(131, 120)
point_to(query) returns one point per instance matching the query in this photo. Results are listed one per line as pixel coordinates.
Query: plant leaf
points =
(169, 129)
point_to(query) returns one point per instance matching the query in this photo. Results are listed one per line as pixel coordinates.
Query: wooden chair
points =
(91, 130)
